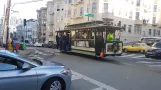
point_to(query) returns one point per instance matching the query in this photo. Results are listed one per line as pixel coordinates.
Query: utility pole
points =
(3, 26)
(7, 21)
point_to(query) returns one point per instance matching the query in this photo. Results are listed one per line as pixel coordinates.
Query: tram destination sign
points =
(89, 14)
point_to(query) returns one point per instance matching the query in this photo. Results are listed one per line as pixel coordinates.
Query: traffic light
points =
(24, 22)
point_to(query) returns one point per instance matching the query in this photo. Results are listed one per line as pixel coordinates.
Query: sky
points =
(26, 11)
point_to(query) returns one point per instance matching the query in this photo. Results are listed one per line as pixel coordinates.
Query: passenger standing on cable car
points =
(61, 41)
(57, 40)
(68, 43)
(65, 41)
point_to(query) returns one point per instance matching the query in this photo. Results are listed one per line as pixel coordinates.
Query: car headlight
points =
(66, 71)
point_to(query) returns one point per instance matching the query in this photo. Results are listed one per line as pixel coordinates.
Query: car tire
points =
(141, 51)
(146, 55)
(125, 50)
(54, 83)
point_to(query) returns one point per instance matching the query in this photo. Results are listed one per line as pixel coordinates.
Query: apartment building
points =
(50, 20)
(42, 17)
(31, 30)
(140, 18)
(19, 32)
(55, 18)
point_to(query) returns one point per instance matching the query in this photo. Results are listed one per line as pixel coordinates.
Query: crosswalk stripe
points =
(128, 55)
(138, 56)
(98, 88)
(154, 65)
(148, 62)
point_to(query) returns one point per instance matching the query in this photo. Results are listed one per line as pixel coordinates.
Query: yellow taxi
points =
(136, 47)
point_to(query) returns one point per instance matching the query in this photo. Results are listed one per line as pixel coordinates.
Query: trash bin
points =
(23, 46)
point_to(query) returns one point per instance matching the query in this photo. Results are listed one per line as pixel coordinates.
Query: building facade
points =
(19, 32)
(42, 18)
(50, 21)
(31, 30)
(140, 18)
(55, 18)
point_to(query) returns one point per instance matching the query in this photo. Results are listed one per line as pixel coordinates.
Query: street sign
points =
(89, 14)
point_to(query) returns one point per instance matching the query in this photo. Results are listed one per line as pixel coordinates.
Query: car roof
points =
(8, 53)
(13, 55)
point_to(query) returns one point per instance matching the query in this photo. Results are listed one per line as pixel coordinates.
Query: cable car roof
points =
(84, 23)
(99, 26)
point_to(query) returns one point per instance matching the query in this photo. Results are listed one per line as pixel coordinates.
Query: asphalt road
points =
(116, 73)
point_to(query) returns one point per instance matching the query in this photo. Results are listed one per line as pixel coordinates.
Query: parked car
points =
(136, 47)
(49, 44)
(29, 43)
(155, 50)
(37, 44)
(17, 73)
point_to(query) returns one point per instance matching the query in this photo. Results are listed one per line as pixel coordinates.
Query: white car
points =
(38, 44)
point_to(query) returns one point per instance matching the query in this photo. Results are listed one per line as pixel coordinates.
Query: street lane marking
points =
(128, 55)
(148, 62)
(101, 85)
(74, 77)
(98, 88)
(154, 65)
(138, 56)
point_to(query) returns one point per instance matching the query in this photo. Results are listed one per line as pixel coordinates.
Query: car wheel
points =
(141, 51)
(125, 50)
(146, 55)
(54, 84)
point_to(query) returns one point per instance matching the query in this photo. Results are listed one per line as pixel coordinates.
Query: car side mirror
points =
(25, 67)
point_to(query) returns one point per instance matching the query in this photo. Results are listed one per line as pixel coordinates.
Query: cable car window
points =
(73, 35)
(78, 35)
(91, 34)
(84, 35)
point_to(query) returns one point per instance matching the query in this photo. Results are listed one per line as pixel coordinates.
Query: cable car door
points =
(99, 42)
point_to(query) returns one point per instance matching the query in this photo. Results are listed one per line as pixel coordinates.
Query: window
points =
(124, 27)
(75, 12)
(10, 64)
(88, 8)
(94, 7)
(61, 18)
(66, 1)
(154, 32)
(154, 20)
(130, 16)
(65, 13)
(155, 8)
(129, 28)
(105, 7)
(120, 12)
(158, 45)
(149, 31)
(137, 15)
(158, 32)
(81, 11)
(138, 3)
(70, 1)
(136, 45)
(69, 13)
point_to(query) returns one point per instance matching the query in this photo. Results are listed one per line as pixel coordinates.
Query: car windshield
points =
(144, 45)
(157, 45)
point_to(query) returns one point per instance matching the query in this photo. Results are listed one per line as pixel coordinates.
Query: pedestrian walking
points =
(14, 45)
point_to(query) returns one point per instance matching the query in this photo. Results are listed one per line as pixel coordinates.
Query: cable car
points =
(90, 39)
